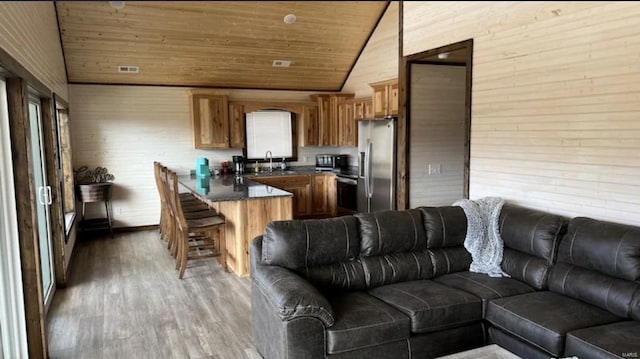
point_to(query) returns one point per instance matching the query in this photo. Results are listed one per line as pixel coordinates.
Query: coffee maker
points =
(238, 164)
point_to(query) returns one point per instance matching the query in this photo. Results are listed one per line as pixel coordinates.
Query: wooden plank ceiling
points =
(217, 44)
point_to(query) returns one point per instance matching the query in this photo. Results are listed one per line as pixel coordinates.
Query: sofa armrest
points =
(290, 295)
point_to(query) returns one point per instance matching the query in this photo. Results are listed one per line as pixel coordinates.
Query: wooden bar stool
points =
(195, 238)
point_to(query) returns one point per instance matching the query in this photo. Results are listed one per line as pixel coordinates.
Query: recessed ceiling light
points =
(117, 4)
(444, 55)
(289, 19)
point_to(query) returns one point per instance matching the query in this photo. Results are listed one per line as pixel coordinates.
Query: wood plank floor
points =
(125, 300)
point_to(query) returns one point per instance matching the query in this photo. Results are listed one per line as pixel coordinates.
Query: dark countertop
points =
(229, 188)
(237, 188)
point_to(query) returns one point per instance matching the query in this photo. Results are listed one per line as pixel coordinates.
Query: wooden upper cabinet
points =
(236, 125)
(210, 117)
(363, 108)
(325, 119)
(385, 98)
(329, 117)
(347, 126)
(308, 127)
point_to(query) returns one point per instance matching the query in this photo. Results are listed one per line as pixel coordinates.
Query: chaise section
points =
(363, 321)
(430, 305)
(593, 283)
(607, 341)
(543, 319)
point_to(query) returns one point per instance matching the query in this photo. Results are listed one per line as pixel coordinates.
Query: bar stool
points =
(195, 238)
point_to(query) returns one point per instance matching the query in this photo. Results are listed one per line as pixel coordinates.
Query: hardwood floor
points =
(125, 300)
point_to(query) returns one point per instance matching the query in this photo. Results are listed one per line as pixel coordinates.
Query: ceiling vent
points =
(128, 69)
(281, 63)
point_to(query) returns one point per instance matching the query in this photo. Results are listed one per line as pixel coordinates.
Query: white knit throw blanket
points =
(483, 239)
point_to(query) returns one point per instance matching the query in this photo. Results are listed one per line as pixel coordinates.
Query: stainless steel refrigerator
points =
(376, 164)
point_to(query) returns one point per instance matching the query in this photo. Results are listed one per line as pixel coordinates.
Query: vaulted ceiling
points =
(216, 44)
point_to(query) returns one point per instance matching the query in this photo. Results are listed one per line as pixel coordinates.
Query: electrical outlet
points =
(118, 210)
(305, 159)
(435, 169)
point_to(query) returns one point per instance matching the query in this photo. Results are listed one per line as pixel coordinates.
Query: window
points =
(270, 130)
(66, 163)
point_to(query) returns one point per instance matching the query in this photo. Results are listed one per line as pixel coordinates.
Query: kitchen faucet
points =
(269, 156)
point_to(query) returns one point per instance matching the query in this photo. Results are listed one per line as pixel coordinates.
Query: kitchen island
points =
(247, 207)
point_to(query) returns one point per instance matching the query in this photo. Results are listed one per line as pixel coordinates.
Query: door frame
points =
(14, 339)
(404, 156)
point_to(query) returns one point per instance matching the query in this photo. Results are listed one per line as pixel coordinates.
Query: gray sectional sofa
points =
(395, 284)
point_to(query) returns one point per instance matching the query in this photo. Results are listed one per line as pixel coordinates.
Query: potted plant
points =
(93, 185)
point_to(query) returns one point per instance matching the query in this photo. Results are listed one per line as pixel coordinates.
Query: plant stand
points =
(91, 193)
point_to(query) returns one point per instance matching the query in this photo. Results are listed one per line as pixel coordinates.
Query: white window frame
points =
(13, 335)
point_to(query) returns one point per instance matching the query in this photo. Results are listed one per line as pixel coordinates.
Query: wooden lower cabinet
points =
(245, 220)
(299, 186)
(324, 196)
(314, 196)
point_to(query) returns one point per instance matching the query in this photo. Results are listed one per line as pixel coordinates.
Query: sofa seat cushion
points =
(544, 318)
(485, 287)
(362, 321)
(606, 341)
(430, 305)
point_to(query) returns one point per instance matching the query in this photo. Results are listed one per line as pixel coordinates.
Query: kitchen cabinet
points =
(328, 117)
(236, 125)
(363, 108)
(347, 126)
(298, 185)
(385, 98)
(323, 195)
(210, 118)
(313, 195)
(308, 134)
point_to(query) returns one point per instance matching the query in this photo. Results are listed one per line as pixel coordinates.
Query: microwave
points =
(332, 162)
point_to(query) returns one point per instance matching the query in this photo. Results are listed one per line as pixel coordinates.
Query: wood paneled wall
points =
(379, 59)
(555, 100)
(29, 33)
(126, 128)
(437, 134)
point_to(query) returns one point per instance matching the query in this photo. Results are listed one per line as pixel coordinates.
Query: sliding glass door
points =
(42, 198)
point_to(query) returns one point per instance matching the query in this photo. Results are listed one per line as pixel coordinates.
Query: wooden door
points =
(393, 99)
(309, 128)
(324, 195)
(347, 127)
(210, 121)
(324, 120)
(380, 102)
(236, 126)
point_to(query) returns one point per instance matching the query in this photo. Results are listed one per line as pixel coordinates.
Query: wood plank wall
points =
(437, 134)
(555, 101)
(29, 33)
(126, 128)
(379, 59)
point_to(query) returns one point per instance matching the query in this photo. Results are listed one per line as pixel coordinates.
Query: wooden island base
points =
(245, 220)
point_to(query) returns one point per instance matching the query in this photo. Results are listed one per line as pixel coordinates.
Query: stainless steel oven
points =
(347, 195)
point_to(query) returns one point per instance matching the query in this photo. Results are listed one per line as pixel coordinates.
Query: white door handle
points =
(49, 198)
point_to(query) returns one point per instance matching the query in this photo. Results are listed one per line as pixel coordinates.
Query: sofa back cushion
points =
(387, 232)
(531, 240)
(393, 247)
(446, 229)
(599, 263)
(325, 251)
